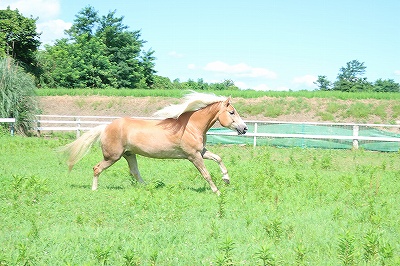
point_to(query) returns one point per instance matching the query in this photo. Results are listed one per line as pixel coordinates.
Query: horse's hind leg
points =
(212, 156)
(133, 167)
(100, 167)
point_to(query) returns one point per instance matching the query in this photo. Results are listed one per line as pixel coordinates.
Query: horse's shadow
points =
(89, 187)
(80, 186)
(202, 189)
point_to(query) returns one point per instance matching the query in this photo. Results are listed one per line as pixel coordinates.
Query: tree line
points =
(98, 52)
(351, 79)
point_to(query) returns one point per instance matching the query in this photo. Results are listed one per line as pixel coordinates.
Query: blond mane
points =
(193, 102)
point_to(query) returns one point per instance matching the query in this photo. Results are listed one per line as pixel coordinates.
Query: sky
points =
(258, 44)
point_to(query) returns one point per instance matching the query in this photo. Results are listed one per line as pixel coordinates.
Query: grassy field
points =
(283, 207)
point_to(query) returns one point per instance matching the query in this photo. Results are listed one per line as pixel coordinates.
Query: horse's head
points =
(230, 118)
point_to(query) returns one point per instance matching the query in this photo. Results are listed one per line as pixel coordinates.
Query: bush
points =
(17, 95)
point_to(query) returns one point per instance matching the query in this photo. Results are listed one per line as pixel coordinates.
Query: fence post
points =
(12, 128)
(355, 136)
(37, 126)
(78, 125)
(255, 135)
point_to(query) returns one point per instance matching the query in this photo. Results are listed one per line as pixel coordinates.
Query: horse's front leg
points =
(199, 163)
(212, 156)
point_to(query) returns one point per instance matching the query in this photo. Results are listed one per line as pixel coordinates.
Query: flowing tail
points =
(76, 150)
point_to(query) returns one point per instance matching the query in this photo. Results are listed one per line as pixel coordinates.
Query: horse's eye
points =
(232, 112)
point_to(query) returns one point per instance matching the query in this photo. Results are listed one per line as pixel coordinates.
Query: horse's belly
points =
(155, 147)
(154, 152)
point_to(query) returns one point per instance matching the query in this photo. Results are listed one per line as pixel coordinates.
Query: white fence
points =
(355, 137)
(10, 121)
(49, 123)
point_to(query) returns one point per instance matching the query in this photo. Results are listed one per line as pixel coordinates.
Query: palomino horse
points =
(180, 135)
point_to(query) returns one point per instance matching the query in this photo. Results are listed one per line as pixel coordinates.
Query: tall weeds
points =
(17, 95)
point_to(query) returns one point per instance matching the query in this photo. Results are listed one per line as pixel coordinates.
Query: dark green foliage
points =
(199, 85)
(350, 79)
(355, 85)
(100, 52)
(387, 85)
(323, 83)
(18, 38)
(147, 64)
(353, 71)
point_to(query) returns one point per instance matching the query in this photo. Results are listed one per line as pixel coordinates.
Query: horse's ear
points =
(228, 101)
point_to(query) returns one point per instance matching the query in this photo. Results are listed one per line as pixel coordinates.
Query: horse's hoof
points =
(226, 179)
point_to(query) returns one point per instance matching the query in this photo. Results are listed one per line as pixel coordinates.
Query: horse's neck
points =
(205, 118)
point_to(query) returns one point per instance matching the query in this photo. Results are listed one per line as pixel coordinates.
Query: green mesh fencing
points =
(307, 129)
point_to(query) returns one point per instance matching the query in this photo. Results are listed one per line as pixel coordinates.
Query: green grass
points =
(283, 207)
(234, 93)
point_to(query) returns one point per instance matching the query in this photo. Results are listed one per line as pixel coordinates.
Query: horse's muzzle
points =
(242, 130)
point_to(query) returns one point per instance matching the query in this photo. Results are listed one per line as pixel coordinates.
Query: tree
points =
(18, 38)
(147, 64)
(388, 85)
(353, 71)
(59, 65)
(85, 23)
(123, 50)
(227, 84)
(323, 83)
(350, 78)
(164, 83)
(99, 52)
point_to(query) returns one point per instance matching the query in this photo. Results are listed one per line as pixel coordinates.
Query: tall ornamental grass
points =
(17, 95)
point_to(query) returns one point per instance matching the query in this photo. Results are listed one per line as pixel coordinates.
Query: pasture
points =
(283, 207)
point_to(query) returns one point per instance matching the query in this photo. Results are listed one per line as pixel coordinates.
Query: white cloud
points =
(241, 85)
(175, 54)
(307, 80)
(240, 70)
(44, 9)
(191, 66)
(52, 30)
(397, 72)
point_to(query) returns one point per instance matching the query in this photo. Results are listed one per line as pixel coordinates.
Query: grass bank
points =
(283, 207)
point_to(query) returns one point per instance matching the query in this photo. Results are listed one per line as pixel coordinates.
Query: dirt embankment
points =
(264, 108)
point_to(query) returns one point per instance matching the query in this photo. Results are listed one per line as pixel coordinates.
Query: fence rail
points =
(48, 123)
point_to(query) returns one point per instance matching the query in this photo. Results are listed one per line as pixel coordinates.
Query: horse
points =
(180, 134)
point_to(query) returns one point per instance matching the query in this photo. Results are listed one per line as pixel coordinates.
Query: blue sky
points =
(259, 44)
